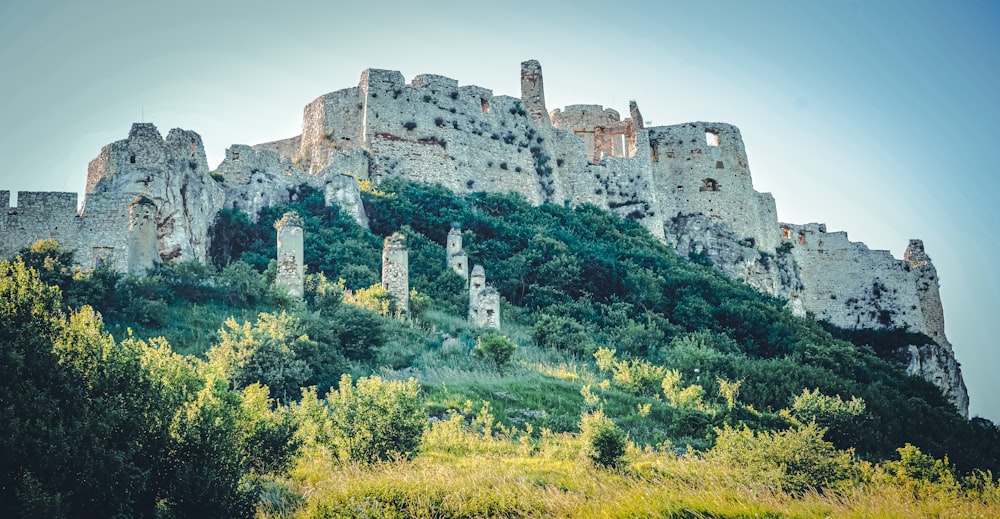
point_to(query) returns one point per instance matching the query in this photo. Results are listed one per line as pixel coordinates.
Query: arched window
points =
(709, 184)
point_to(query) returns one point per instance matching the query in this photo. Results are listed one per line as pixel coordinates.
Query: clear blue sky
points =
(873, 117)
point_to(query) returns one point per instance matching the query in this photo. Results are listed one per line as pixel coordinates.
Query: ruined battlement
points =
(40, 203)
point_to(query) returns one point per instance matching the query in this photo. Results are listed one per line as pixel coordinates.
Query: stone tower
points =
(291, 274)
(457, 259)
(395, 271)
(533, 92)
(485, 313)
(142, 250)
(477, 283)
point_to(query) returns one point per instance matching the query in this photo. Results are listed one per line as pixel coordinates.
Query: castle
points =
(152, 200)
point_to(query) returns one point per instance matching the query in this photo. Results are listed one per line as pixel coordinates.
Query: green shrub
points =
(376, 420)
(603, 442)
(795, 460)
(562, 333)
(495, 347)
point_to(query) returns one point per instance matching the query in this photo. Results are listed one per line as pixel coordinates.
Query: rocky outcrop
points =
(172, 175)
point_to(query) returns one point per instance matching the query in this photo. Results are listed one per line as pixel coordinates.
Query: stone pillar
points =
(533, 92)
(395, 271)
(142, 247)
(477, 283)
(486, 310)
(456, 259)
(291, 274)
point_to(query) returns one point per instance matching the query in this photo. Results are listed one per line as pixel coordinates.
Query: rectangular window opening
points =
(486, 104)
(712, 137)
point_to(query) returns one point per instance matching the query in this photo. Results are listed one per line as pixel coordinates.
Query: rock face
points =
(172, 174)
(688, 184)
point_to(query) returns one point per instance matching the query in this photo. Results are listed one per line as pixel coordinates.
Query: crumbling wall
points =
(289, 148)
(99, 234)
(702, 168)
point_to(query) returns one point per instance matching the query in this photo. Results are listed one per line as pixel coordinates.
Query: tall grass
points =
(465, 473)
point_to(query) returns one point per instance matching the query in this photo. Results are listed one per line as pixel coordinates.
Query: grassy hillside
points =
(641, 383)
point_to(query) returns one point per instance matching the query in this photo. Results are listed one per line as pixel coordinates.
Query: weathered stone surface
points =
(173, 175)
(343, 191)
(396, 271)
(291, 247)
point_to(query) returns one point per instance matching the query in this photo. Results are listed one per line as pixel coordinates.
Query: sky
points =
(871, 116)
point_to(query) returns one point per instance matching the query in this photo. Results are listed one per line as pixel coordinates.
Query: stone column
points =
(486, 310)
(533, 92)
(477, 283)
(291, 274)
(395, 271)
(456, 259)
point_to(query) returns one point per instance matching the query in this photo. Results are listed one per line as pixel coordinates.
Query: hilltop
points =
(152, 201)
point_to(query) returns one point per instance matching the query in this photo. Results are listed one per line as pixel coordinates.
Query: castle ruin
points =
(689, 184)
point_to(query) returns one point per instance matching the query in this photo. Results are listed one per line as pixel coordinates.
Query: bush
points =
(794, 460)
(376, 420)
(495, 347)
(562, 333)
(603, 441)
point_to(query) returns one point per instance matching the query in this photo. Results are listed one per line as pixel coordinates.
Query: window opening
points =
(486, 104)
(618, 145)
(712, 137)
(131, 158)
(802, 238)
(710, 184)
(786, 233)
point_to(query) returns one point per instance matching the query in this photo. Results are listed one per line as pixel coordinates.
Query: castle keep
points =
(151, 200)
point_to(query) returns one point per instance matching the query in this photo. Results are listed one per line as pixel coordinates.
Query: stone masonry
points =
(395, 271)
(688, 184)
(456, 258)
(291, 271)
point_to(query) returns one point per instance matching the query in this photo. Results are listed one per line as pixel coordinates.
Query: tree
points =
(264, 352)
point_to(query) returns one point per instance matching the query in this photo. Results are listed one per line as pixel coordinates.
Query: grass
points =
(496, 476)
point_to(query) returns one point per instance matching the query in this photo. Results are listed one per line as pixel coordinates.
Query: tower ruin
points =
(457, 259)
(290, 248)
(395, 271)
(533, 92)
(485, 313)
